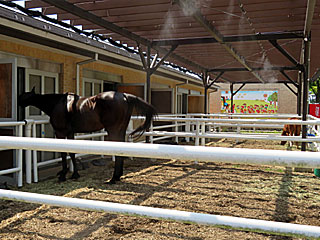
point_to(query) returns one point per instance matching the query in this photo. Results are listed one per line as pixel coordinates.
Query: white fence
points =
(199, 153)
(18, 168)
(197, 126)
(200, 218)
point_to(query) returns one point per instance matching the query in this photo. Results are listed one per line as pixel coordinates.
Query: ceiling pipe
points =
(78, 64)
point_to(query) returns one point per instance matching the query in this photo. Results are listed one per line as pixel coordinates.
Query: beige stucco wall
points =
(287, 101)
(67, 66)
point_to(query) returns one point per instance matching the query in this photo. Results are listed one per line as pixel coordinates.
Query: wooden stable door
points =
(6, 90)
(7, 109)
(137, 90)
(162, 100)
(195, 104)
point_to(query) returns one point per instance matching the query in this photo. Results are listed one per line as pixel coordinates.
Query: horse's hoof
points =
(62, 178)
(75, 175)
(112, 181)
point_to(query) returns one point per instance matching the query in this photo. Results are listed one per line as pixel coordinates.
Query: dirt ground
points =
(259, 192)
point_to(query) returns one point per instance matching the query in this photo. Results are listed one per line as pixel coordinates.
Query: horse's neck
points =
(46, 102)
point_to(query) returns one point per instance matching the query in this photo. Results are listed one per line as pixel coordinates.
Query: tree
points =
(314, 86)
(273, 98)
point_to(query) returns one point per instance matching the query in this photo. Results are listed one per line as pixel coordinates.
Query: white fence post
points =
(19, 160)
(28, 133)
(203, 131)
(151, 129)
(176, 129)
(196, 143)
(34, 156)
(102, 139)
(187, 129)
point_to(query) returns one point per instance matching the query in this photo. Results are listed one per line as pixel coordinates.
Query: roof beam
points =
(284, 52)
(290, 80)
(289, 68)
(236, 38)
(188, 6)
(294, 92)
(75, 10)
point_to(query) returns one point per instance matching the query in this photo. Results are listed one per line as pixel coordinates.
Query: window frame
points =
(43, 75)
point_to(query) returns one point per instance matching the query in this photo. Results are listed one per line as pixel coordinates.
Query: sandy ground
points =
(259, 192)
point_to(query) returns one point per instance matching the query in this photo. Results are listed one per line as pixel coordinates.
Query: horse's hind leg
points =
(118, 170)
(62, 174)
(118, 167)
(75, 174)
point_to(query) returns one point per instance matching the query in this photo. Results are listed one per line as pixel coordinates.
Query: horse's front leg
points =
(118, 170)
(62, 174)
(75, 174)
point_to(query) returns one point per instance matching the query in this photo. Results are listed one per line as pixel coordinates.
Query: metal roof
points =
(250, 41)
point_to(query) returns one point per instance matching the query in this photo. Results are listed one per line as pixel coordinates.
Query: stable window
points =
(92, 87)
(95, 82)
(43, 82)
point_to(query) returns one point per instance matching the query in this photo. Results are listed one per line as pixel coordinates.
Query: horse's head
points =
(25, 98)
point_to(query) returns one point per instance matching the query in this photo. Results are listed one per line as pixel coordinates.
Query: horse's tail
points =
(143, 109)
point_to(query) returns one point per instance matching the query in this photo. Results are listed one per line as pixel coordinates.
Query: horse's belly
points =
(87, 123)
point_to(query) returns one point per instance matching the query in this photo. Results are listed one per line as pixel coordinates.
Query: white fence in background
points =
(197, 126)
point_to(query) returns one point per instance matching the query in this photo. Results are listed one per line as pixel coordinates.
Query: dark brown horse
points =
(70, 114)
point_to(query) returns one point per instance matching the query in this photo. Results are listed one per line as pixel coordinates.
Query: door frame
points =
(13, 62)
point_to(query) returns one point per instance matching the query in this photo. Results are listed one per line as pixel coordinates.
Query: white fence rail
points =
(191, 153)
(198, 153)
(196, 127)
(200, 218)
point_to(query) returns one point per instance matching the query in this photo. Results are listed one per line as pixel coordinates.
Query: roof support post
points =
(149, 73)
(306, 79)
(234, 93)
(207, 86)
(185, 4)
(231, 90)
(306, 62)
(216, 79)
(300, 77)
(151, 66)
(205, 79)
(154, 66)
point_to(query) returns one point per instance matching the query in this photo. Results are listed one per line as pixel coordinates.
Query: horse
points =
(291, 130)
(70, 114)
